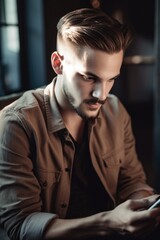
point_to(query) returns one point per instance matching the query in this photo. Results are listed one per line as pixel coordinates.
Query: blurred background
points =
(28, 37)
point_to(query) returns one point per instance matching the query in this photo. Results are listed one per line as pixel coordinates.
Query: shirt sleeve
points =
(34, 225)
(20, 193)
(132, 178)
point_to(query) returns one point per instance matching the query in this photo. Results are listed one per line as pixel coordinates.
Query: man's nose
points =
(100, 91)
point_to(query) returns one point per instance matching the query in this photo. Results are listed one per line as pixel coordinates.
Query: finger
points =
(143, 217)
(140, 204)
(155, 213)
(144, 203)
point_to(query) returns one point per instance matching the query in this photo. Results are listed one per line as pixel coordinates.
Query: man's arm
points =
(132, 178)
(126, 219)
(20, 192)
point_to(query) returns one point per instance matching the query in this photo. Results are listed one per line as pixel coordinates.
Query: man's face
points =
(87, 77)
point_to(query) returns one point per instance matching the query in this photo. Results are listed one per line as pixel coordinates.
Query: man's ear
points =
(56, 61)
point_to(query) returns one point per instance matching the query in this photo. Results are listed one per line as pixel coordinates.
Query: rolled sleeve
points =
(34, 225)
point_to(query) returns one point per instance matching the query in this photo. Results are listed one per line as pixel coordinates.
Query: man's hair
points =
(94, 28)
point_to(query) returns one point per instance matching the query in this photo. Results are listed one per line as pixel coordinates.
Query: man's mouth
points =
(93, 105)
(94, 102)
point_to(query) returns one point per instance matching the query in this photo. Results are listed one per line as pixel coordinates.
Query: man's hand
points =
(133, 217)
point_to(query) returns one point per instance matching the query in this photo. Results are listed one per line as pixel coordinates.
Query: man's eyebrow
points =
(115, 77)
(97, 77)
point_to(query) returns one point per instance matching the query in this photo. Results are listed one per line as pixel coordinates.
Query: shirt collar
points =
(54, 118)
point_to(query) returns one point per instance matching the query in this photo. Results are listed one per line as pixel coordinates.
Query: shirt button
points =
(44, 184)
(65, 133)
(67, 169)
(63, 205)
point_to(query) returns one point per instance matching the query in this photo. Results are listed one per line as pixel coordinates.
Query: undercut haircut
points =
(94, 28)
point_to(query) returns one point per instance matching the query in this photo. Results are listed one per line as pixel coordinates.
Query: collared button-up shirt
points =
(36, 159)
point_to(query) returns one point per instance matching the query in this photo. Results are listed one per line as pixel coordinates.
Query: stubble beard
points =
(79, 109)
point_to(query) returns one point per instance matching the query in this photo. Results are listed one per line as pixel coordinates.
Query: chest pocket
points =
(48, 182)
(112, 165)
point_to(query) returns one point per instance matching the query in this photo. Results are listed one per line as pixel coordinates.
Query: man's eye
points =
(88, 78)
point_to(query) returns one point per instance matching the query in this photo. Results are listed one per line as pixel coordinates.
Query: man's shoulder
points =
(112, 99)
(28, 99)
(27, 108)
(113, 102)
(26, 111)
(113, 106)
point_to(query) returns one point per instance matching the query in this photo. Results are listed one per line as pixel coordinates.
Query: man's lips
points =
(93, 105)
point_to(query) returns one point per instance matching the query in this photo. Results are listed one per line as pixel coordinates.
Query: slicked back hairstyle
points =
(94, 28)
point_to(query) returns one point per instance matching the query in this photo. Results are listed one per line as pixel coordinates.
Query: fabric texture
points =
(36, 160)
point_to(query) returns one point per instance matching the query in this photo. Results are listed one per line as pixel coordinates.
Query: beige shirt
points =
(36, 159)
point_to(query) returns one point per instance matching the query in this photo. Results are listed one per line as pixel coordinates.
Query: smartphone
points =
(156, 204)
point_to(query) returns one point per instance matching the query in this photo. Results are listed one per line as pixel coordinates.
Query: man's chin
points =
(87, 114)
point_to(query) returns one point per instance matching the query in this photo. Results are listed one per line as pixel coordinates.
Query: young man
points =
(68, 165)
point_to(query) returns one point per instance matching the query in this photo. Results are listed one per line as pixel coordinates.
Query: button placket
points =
(68, 145)
(68, 156)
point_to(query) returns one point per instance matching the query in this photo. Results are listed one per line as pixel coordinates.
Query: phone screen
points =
(156, 204)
